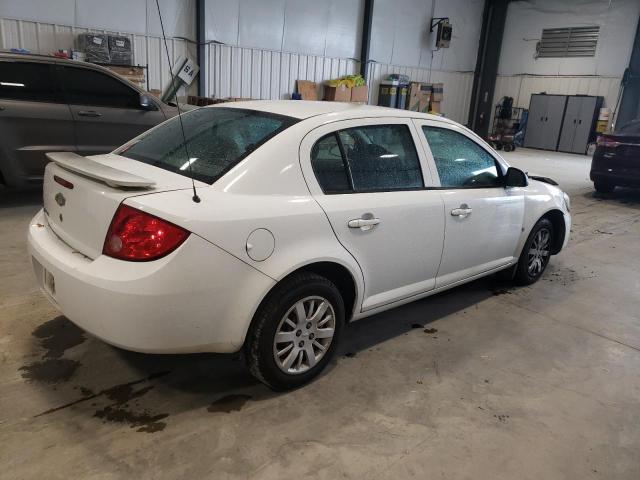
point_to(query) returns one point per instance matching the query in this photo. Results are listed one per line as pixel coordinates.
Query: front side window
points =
(367, 159)
(461, 163)
(31, 82)
(216, 140)
(88, 87)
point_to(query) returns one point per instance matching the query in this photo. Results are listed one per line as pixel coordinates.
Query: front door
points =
(106, 111)
(483, 219)
(369, 178)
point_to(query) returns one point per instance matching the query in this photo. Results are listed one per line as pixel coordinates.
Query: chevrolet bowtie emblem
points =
(60, 200)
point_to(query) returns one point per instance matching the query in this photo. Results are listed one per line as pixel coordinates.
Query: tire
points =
(508, 147)
(272, 362)
(498, 146)
(526, 272)
(602, 186)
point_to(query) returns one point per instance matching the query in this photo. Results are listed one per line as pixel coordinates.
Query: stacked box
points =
(120, 50)
(95, 47)
(419, 97)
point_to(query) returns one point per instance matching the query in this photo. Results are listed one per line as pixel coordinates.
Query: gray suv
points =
(50, 104)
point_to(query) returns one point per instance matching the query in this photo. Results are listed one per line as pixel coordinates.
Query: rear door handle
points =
(462, 211)
(364, 223)
(89, 113)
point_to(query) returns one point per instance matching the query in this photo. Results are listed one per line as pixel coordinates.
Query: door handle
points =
(89, 113)
(462, 211)
(364, 223)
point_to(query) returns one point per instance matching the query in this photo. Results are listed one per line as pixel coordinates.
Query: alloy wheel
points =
(304, 335)
(539, 252)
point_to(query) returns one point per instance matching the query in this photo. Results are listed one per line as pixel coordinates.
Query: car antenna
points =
(195, 197)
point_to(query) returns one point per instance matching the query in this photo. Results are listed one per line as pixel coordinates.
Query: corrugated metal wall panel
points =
(265, 74)
(45, 38)
(457, 86)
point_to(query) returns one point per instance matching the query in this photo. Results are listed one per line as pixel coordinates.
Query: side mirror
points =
(515, 178)
(146, 103)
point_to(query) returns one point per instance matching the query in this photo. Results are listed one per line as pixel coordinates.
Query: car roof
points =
(303, 109)
(33, 57)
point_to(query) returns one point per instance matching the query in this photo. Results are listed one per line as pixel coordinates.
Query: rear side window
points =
(217, 139)
(329, 165)
(88, 87)
(27, 81)
(367, 159)
(461, 162)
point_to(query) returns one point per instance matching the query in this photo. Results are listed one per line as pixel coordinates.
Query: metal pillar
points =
(366, 38)
(630, 104)
(200, 38)
(484, 78)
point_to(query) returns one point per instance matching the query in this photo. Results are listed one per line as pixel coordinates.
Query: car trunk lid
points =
(81, 194)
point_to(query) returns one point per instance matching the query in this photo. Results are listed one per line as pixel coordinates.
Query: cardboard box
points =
(435, 107)
(307, 90)
(360, 94)
(419, 97)
(437, 92)
(337, 94)
(602, 125)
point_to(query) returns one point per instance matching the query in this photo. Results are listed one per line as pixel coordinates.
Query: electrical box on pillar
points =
(443, 37)
(184, 71)
(443, 32)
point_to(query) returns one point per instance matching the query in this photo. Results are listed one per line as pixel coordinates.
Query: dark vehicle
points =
(50, 104)
(616, 161)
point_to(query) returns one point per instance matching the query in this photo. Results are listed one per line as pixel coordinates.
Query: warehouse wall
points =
(259, 48)
(520, 74)
(43, 26)
(401, 43)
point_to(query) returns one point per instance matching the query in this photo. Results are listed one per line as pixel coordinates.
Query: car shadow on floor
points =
(620, 196)
(214, 382)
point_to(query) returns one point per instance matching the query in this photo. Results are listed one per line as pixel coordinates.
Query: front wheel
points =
(603, 187)
(535, 254)
(295, 331)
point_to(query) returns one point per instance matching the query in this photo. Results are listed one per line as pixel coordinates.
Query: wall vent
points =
(568, 42)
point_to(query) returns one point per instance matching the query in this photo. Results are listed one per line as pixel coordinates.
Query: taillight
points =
(137, 236)
(604, 141)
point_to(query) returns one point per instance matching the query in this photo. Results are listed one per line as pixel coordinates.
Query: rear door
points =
(369, 178)
(106, 111)
(483, 219)
(34, 119)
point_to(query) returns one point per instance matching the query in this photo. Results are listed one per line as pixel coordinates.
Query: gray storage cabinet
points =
(580, 117)
(546, 113)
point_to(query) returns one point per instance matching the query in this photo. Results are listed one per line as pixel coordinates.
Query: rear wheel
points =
(603, 187)
(535, 254)
(295, 331)
(508, 147)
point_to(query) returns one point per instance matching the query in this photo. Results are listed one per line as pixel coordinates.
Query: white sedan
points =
(303, 216)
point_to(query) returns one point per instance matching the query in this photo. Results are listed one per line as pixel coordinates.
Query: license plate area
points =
(49, 283)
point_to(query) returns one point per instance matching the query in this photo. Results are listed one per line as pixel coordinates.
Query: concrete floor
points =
(484, 381)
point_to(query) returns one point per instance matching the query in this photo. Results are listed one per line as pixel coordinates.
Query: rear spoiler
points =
(98, 171)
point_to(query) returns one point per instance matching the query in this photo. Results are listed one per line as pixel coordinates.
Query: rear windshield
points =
(217, 139)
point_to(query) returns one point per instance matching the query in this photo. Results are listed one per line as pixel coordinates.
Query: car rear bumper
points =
(622, 179)
(197, 299)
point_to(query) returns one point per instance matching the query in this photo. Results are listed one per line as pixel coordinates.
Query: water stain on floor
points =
(229, 403)
(54, 370)
(55, 337)
(120, 411)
